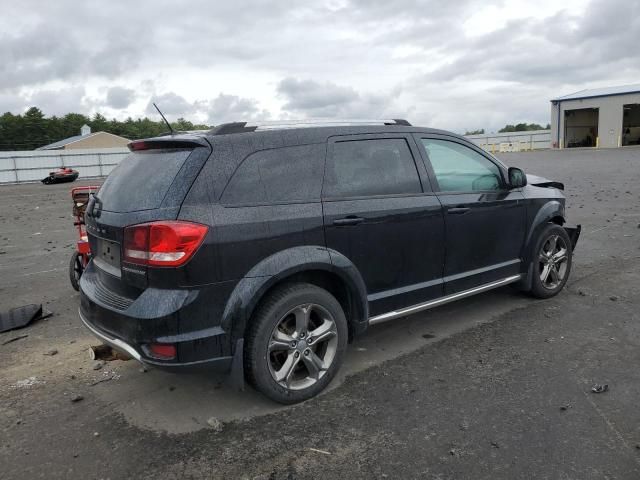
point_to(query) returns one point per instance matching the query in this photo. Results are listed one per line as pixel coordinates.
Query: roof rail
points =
(241, 127)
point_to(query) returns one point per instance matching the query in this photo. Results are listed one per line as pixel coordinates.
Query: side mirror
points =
(517, 178)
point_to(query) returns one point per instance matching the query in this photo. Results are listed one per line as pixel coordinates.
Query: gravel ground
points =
(498, 386)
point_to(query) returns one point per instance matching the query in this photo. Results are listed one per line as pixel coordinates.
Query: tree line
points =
(32, 129)
(518, 127)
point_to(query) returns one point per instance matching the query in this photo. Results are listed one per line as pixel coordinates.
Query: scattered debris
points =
(102, 380)
(566, 407)
(98, 365)
(614, 298)
(582, 293)
(106, 353)
(143, 369)
(51, 353)
(495, 444)
(215, 424)
(19, 337)
(324, 452)
(27, 382)
(18, 421)
(19, 317)
(96, 434)
(77, 398)
(597, 388)
(172, 388)
(428, 335)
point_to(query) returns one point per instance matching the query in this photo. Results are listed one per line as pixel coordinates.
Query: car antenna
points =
(165, 120)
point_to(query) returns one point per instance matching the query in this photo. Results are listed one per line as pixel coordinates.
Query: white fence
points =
(513, 141)
(31, 166)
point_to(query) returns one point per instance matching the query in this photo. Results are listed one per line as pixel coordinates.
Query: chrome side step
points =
(442, 300)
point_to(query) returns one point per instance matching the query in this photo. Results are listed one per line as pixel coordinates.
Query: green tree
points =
(521, 127)
(32, 129)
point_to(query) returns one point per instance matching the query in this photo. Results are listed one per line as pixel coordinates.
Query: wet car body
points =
(382, 256)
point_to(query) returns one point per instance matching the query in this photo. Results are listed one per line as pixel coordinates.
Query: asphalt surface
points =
(496, 386)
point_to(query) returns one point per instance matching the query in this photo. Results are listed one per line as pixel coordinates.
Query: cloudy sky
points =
(455, 65)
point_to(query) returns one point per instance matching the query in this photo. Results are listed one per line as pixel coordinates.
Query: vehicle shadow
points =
(183, 403)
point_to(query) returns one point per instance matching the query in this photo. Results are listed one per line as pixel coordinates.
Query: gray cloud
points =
(229, 108)
(327, 58)
(120, 97)
(223, 108)
(315, 99)
(172, 105)
(60, 101)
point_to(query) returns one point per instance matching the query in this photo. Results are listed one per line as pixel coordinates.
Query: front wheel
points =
(295, 343)
(75, 270)
(551, 262)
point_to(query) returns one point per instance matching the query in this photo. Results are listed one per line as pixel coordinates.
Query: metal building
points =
(598, 118)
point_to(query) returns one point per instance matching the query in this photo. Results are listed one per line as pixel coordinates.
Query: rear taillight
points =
(162, 351)
(162, 244)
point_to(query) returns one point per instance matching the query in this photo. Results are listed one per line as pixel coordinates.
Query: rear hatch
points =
(149, 184)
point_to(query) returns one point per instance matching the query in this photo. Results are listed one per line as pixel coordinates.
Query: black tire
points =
(75, 270)
(269, 319)
(548, 289)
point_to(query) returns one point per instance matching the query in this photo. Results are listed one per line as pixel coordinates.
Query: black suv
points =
(264, 250)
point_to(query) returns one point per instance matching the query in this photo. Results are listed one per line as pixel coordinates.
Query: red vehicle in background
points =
(63, 174)
(82, 255)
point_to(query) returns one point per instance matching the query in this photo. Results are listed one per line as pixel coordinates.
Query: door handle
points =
(458, 210)
(347, 221)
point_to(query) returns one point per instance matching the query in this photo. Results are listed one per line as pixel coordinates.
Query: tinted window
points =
(141, 180)
(371, 167)
(461, 169)
(278, 175)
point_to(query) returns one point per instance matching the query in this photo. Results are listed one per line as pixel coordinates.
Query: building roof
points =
(62, 143)
(76, 138)
(601, 92)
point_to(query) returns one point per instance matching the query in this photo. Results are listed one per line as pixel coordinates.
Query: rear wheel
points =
(551, 262)
(75, 270)
(296, 343)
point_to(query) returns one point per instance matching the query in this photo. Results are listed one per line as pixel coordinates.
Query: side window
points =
(370, 167)
(461, 169)
(286, 174)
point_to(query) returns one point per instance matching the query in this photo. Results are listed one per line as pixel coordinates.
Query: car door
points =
(380, 213)
(484, 220)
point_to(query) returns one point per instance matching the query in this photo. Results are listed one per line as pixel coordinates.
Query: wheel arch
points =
(550, 212)
(315, 265)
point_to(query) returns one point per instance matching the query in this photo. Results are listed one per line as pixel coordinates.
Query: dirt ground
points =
(496, 386)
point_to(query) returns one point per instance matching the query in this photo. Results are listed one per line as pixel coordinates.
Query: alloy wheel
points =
(302, 346)
(553, 261)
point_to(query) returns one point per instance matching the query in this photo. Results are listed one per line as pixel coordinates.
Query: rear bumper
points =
(177, 317)
(220, 364)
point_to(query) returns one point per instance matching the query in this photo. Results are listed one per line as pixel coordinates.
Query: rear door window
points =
(141, 180)
(280, 175)
(357, 168)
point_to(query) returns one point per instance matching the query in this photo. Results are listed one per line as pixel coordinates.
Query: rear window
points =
(371, 167)
(141, 180)
(281, 175)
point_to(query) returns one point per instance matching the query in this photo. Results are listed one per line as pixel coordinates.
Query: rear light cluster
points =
(162, 244)
(162, 351)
